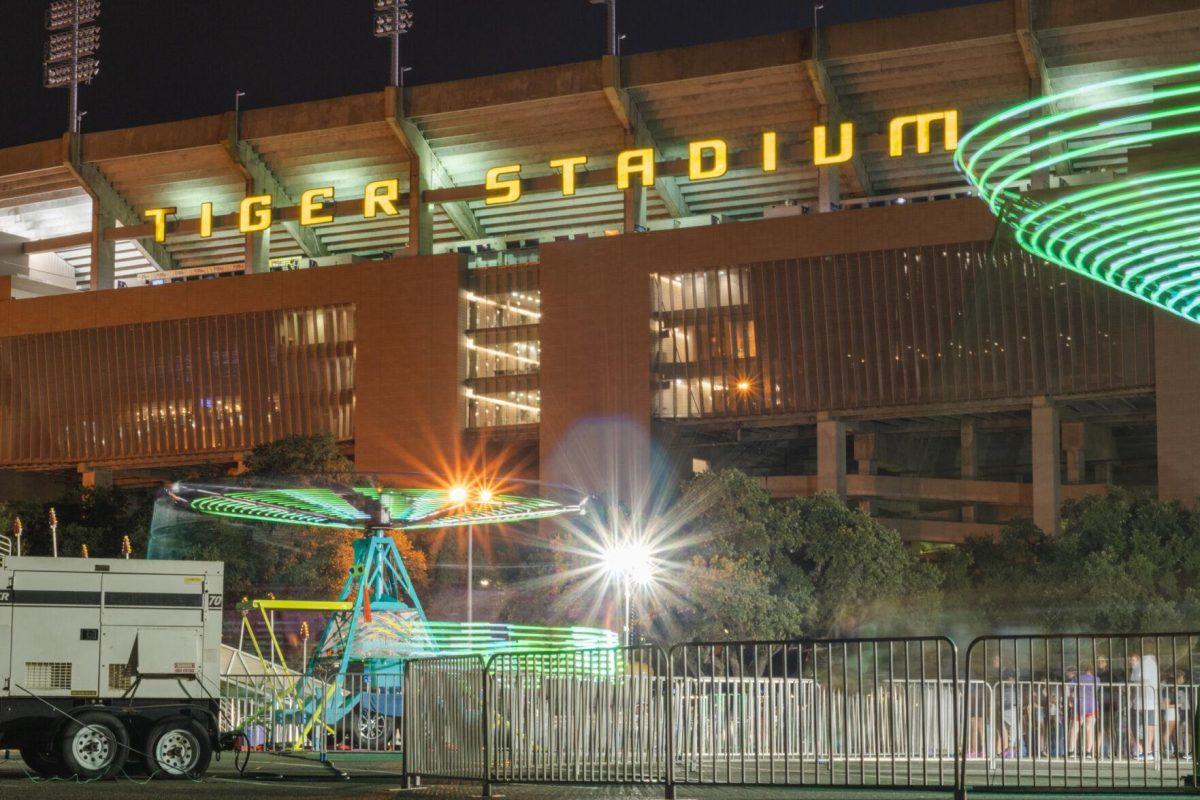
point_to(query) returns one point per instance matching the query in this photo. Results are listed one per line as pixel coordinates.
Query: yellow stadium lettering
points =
(568, 165)
(381, 197)
(697, 171)
(509, 188)
(312, 202)
(255, 213)
(641, 161)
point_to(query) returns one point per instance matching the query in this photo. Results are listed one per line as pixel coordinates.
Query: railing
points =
(357, 713)
(870, 712)
(1044, 713)
(444, 726)
(1101, 712)
(588, 716)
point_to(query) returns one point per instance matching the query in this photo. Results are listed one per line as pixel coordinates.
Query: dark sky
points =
(173, 59)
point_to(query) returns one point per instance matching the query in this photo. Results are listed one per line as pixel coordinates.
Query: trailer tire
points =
(178, 748)
(94, 746)
(43, 758)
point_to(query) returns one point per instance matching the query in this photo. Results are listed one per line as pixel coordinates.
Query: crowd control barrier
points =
(860, 712)
(1109, 713)
(1041, 713)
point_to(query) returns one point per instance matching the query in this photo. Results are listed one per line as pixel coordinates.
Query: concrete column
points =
(420, 234)
(258, 252)
(258, 245)
(104, 253)
(1046, 453)
(1177, 389)
(635, 197)
(1074, 443)
(968, 444)
(829, 193)
(635, 207)
(866, 455)
(831, 455)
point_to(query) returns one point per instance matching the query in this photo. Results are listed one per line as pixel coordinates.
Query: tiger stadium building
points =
(755, 253)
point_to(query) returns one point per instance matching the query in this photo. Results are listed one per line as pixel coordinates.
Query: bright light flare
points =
(485, 495)
(457, 494)
(632, 561)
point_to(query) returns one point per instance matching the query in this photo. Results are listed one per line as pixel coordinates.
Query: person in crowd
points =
(1083, 687)
(1107, 724)
(1054, 732)
(1176, 702)
(1010, 707)
(977, 707)
(1143, 728)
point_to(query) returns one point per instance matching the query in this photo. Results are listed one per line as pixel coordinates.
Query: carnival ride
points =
(377, 623)
(1050, 169)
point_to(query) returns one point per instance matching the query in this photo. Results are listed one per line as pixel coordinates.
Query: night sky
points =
(166, 60)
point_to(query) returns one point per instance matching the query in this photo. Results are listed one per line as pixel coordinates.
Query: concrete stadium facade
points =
(859, 326)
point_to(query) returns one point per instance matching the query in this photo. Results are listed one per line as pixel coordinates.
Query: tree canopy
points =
(751, 568)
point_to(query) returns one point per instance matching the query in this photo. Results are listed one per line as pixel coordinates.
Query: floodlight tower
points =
(392, 18)
(613, 41)
(71, 49)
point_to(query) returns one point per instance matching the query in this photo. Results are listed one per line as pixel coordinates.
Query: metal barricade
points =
(584, 716)
(357, 713)
(445, 717)
(1100, 712)
(860, 712)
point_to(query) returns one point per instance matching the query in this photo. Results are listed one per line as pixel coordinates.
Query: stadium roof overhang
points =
(977, 59)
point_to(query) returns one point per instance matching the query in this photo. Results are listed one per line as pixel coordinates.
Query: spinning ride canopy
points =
(1137, 231)
(373, 505)
(378, 618)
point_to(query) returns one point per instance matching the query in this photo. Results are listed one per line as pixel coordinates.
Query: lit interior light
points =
(485, 495)
(487, 301)
(501, 354)
(457, 494)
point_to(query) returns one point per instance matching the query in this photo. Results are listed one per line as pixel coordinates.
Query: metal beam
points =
(436, 174)
(110, 205)
(1039, 76)
(830, 111)
(629, 116)
(259, 173)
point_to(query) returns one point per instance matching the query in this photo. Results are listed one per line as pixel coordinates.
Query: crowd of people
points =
(1088, 710)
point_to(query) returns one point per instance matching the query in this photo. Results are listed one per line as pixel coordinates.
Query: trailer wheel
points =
(178, 748)
(42, 758)
(94, 746)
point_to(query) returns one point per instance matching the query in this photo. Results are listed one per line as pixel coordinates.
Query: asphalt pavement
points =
(268, 776)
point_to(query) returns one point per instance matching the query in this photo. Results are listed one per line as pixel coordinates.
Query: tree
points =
(1121, 562)
(810, 566)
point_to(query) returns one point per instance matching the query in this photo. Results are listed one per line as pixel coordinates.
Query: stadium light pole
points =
(71, 49)
(629, 562)
(393, 18)
(611, 33)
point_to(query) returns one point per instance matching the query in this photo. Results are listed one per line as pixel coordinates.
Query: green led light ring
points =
(1139, 234)
(409, 508)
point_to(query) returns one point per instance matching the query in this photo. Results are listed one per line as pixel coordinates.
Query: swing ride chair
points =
(377, 623)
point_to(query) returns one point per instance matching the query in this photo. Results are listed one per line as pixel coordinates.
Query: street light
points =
(70, 50)
(392, 18)
(632, 563)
